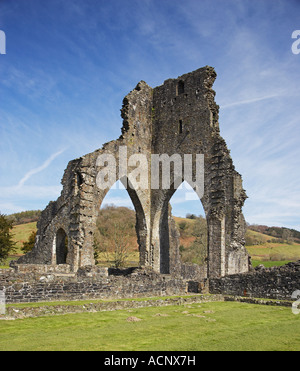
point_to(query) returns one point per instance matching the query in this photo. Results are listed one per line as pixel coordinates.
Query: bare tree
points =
(114, 247)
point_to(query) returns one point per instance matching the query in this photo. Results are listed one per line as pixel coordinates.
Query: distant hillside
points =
(285, 234)
(25, 217)
(267, 245)
(21, 233)
(114, 220)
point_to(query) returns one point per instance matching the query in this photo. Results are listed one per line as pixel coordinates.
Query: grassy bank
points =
(207, 326)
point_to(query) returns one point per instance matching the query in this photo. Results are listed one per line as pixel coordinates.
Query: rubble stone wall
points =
(272, 283)
(90, 284)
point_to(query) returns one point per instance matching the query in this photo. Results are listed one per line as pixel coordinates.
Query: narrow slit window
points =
(180, 88)
(180, 127)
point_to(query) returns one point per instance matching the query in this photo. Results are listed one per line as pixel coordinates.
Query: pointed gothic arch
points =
(190, 218)
(164, 233)
(141, 229)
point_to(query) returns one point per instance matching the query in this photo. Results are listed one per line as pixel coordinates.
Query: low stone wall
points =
(273, 283)
(41, 268)
(47, 284)
(269, 302)
(91, 284)
(100, 306)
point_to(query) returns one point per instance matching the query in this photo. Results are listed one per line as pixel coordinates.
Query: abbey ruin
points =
(179, 117)
(174, 122)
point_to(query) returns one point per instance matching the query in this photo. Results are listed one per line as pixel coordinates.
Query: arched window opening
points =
(115, 238)
(189, 216)
(61, 247)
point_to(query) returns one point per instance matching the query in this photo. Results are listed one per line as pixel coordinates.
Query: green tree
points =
(182, 225)
(191, 216)
(287, 235)
(7, 245)
(29, 245)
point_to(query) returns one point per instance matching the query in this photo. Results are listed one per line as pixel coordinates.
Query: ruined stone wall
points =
(179, 117)
(99, 306)
(77, 208)
(272, 283)
(185, 121)
(98, 284)
(43, 283)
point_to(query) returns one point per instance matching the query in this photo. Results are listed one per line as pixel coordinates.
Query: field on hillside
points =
(275, 252)
(215, 326)
(21, 234)
(270, 251)
(262, 248)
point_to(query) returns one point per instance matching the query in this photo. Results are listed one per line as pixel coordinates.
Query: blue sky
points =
(69, 63)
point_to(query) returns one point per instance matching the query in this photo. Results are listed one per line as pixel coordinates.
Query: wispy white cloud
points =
(249, 101)
(37, 170)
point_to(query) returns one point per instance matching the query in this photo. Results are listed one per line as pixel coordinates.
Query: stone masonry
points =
(177, 118)
(272, 283)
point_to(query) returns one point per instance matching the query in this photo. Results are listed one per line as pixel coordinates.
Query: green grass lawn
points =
(197, 327)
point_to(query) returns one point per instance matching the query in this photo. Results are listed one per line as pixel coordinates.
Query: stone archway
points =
(164, 232)
(141, 223)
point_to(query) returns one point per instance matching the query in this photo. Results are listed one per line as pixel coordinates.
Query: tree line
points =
(24, 217)
(283, 234)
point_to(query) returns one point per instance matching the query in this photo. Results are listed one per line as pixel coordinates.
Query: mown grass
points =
(228, 326)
